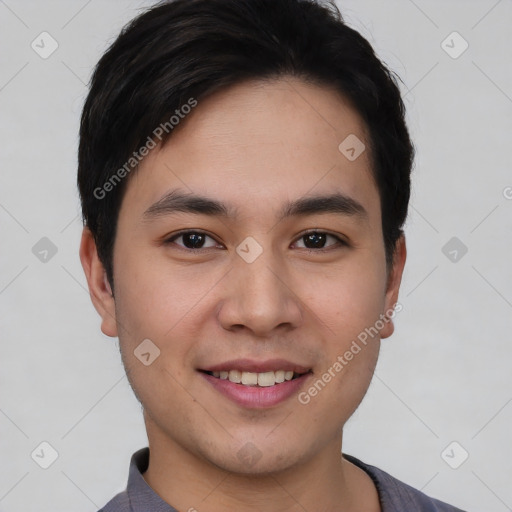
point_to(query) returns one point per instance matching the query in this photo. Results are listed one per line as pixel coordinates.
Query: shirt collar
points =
(142, 497)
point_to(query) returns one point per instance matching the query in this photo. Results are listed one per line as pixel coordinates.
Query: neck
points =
(191, 483)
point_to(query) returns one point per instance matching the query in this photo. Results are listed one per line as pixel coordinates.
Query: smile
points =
(257, 384)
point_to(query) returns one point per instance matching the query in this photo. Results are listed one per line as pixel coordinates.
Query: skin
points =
(255, 146)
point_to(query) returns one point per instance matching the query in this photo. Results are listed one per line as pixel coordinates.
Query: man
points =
(244, 171)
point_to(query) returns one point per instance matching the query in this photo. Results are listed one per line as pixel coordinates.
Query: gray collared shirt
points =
(394, 496)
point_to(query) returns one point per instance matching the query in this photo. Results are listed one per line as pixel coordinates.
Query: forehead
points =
(258, 143)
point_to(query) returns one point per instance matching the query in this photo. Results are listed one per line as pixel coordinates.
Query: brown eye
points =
(192, 240)
(318, 240)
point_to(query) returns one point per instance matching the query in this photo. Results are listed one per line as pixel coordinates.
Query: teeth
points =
(235, 376)
(279, 376)
(264, 379)
(249, 379)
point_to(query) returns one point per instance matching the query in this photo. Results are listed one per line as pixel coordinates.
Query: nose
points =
(258, 298)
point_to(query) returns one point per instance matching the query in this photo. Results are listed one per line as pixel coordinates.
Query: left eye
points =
(318, 239)
(192, 240)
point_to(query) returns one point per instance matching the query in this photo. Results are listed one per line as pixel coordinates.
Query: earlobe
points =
(393, 286)
(99, 287)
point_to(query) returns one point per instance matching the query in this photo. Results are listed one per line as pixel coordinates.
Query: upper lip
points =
(254, 366)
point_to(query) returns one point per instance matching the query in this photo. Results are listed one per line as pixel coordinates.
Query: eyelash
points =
(340, 242)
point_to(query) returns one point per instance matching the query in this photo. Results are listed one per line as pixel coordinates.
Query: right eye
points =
(191, 240)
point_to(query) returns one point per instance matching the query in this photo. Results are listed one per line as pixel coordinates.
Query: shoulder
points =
(119, 503)
(397, 496)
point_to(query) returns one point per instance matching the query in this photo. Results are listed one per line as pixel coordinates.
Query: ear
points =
(393, 284)
(99, 288)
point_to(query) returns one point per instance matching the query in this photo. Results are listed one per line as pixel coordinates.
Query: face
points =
(260, 279)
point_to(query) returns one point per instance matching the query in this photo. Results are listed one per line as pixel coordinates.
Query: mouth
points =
(257, 384)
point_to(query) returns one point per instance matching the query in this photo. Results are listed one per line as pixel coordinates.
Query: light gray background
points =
(443, 376)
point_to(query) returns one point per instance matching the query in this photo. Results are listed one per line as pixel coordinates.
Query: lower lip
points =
(257, 397)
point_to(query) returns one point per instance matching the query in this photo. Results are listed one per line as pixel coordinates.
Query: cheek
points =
(152, 306)
(153, 297)
(167, 305)
(349, 352)
(347, 300)
(348, 304)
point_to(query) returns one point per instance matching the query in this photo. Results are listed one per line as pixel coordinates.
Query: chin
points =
(248, 459)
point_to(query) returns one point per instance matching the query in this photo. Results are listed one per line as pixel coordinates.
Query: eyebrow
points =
(179, 201)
